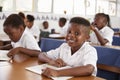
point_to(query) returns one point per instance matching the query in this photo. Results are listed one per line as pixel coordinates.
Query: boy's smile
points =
(76, 36)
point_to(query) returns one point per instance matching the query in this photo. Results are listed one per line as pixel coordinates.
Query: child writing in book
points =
(21, 40)
(76, 52)
(101, 34)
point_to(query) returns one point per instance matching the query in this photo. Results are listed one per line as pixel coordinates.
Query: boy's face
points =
(61, 24)
(13, 33)
(29, 24)
(76, 36)
(46, 25)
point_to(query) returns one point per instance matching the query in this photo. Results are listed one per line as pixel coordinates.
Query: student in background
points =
(45, 31)
(102, 34)
(76, 52)
(22, 41)
(34, 30)
(22, 15)
(63, 27)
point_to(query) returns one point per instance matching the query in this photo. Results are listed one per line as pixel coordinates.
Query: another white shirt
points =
(34, 31)
(85, 55)
(105, 32)
(63, 30)
(26, 41)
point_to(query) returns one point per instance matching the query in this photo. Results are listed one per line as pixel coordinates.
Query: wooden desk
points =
(4, 39)
(108, 46)
(17, 71)
(56, 36)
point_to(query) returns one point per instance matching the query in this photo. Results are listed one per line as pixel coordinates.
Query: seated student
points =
(101, 34)
(45, 31)
(22, 41)
(34, 30)
(63, 27)
(76, 53)
(22, 15)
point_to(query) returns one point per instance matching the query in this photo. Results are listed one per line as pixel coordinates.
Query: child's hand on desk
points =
(12, 52)
(50, 72)
(58, 63)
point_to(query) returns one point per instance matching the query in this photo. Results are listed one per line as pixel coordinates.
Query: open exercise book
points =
(38, 69)
(3, 55)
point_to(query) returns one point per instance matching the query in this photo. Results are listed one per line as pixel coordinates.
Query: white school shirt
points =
(63, 31)
(34, 30)
(105, 32)
(85, 55)
(26, 41)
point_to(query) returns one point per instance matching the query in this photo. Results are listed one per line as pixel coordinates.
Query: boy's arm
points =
(22, 50)
(77, 71)
(43, 58)
(6, 47)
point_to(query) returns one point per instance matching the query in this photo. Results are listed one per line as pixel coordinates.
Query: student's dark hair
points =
(30, 18)
(22, 15)
(80, 21)
(14, 20)
(45, 22)
(63, 20)
(107, 18)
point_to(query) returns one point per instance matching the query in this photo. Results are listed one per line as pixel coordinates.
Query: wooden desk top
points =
(56, 36)
(17, 71)
(108, 46)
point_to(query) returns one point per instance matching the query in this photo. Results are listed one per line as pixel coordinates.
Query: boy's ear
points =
(87, 37)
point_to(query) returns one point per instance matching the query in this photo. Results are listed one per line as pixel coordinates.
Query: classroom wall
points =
(53, 19)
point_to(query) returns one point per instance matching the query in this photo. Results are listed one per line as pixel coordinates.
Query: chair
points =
(115, 29)
(108, 63)
(116, 41)
(48, 44)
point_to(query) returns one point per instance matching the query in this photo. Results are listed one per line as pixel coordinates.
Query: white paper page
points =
(38, 69)
(3, 55)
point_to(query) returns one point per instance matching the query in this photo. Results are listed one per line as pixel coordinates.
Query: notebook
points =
(38, 69)
(3, 55)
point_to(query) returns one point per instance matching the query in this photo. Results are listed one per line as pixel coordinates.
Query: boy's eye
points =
(76, 33)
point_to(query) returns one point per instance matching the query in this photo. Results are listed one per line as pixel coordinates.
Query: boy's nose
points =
(71, 35)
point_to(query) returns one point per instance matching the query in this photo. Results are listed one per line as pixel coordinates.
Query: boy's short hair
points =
(81, 21)
(30, 18)
(45, 22)
(63, 20)
(14, 20)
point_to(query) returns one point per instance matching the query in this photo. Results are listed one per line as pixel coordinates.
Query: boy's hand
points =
(58, 63)
(50, 72)
(12, 52)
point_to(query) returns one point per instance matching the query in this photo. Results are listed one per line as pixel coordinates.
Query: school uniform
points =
(34, 31)
(63, 30)
(85, 55)
(26, 41)
(105, 32)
